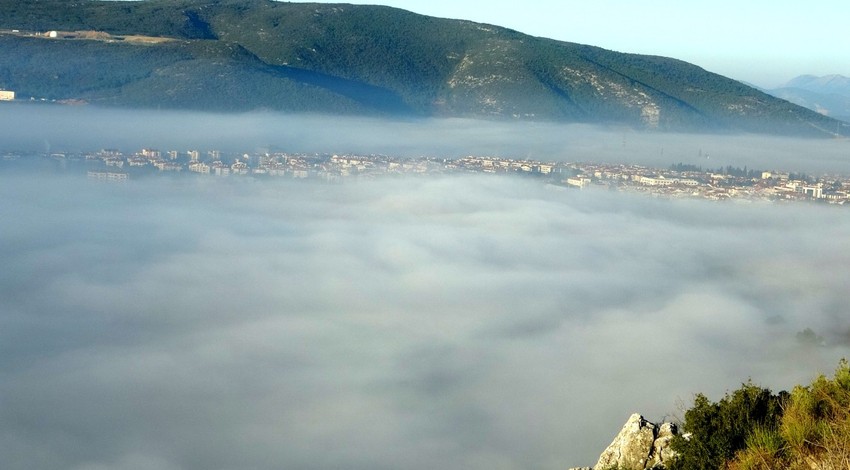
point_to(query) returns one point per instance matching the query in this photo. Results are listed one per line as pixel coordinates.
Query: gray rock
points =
(640, 445)
(661, 447)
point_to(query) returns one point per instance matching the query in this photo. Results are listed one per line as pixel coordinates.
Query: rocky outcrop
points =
(640, 445)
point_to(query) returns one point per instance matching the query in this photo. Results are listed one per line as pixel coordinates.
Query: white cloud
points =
(463, 322)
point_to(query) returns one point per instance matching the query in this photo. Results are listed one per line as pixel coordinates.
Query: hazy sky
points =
(762, 42)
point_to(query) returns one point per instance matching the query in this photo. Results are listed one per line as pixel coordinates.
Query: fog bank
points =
(458, 322)
(64, 128)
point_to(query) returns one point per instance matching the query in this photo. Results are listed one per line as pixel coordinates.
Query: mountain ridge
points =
(238, 55)
(828, 95)
(828, 84)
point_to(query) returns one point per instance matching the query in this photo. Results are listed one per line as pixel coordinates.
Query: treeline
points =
(730, 170)
(727, 170)
(754, 429)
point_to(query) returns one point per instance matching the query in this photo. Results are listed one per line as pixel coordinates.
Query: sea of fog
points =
(460, 322)
(456, 322)
(54, 128)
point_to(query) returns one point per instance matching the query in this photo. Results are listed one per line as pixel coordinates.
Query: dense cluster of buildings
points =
(762, 185)
(675, 182)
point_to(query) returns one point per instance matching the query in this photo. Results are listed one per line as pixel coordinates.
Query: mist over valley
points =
(47, 128)
(487, 314)
(460, 321)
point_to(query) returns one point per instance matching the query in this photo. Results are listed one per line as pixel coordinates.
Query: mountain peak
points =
(838, 84)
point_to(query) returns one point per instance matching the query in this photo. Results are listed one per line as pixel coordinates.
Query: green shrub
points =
(753, 429)
(716, 431)
(765, 450)
(816, 423)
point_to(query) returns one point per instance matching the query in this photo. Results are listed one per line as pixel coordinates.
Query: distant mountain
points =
(827, 85)
(828, 95)
(236, 55)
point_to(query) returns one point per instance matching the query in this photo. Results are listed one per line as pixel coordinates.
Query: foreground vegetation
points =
(755, 429)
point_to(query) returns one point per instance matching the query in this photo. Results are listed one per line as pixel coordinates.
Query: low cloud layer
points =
(457, 322)
(63, 128)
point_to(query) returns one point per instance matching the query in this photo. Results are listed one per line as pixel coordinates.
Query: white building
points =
(815, 192)
(659, 181)
(7, 95)
(199, 167)
(151, 153)
(578, 182)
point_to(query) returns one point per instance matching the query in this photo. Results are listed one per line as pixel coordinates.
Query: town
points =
(677, 181)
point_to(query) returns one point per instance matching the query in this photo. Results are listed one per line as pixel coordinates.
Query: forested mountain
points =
(237, 55)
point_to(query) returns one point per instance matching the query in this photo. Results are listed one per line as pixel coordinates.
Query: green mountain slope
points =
(248, 54)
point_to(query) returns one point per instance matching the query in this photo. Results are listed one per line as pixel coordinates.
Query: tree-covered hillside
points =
(754, 429)
(246, 54)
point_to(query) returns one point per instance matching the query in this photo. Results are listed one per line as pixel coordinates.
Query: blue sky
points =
(763, 42)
